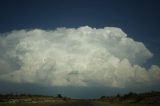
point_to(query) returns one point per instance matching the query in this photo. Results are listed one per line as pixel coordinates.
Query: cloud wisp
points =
(82, 56)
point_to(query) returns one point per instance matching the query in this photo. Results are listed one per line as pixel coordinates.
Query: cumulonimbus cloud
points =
(75, 57)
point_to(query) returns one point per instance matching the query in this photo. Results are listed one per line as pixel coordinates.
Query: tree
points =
(102, 97)
(59, 96)
(118, 95)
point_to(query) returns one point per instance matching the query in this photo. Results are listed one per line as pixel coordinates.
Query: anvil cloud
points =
(82, 56)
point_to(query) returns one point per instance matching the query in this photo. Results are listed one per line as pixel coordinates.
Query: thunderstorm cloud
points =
(82, 56)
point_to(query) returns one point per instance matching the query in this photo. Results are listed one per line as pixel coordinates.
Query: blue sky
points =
(139, 19)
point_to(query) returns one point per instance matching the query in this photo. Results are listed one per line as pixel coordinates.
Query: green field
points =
(26, 104)
(23, 104)
(99, 103)
(77, 103)
(130, 99)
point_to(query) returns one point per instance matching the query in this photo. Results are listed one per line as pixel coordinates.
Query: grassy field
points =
(130, 99)
(70, 103)
(26, 104)
(96, 103)
(99, 103)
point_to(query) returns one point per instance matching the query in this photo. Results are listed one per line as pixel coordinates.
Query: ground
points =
(76, 103)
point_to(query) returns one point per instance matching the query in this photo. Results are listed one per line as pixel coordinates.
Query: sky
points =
(79, 48)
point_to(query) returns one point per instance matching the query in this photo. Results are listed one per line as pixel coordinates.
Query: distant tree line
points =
(22, 95)
(152, 96)
(9, 96)
(28, 95)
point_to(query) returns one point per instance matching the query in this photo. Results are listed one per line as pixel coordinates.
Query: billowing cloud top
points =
(75, 57)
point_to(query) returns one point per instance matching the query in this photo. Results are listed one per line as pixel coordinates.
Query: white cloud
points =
(75, 57)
